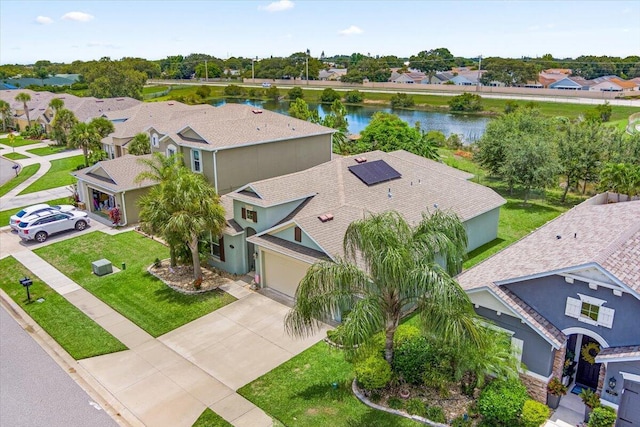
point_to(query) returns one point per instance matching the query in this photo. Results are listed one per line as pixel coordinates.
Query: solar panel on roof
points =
(374, 172)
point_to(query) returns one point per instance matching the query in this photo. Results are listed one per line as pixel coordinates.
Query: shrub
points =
(410, 359)
(405, 333)
(402, 100)
(203, 91)
(461, 422)
(373, 373)
(534, 413)
(395, 403)
(556, 387)
(466, 102)
(602, 416)
(436, 414)
(329, 95)
(416, 406)
(295, 93)
(501, 402)
(354, 97)
(233, 90)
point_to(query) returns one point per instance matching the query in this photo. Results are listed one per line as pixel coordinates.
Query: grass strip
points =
(80, 336)
(211, 419)
(15, 156)
(19, 141)
(133, 292)
(47, 151)
(59, 175)
(26, 173)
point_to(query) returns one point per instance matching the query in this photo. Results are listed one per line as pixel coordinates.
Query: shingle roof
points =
(631, 352)
(605, 234)
(229, 125)
(333, 189)
(302, 253)
(121, 172)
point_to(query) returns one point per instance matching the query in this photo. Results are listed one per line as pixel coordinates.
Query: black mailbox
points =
(26, 282)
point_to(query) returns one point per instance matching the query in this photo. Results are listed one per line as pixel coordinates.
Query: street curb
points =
(108, 402)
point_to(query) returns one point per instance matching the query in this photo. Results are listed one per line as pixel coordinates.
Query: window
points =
(590, 310)
(154, 140)
(249, 214)
(217, 248)
(196, 165)
(171, 150)
(298, 234)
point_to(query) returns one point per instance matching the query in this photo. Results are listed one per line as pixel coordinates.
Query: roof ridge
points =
(617, 243)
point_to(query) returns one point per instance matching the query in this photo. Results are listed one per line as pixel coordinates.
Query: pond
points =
(470, 128)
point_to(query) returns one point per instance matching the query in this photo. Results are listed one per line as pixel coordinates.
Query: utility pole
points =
(253, 74)
(479, 68)
(206, 71)
(307, 57)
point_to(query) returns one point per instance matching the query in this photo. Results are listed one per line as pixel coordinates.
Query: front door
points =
(251, 259)
(587, 374)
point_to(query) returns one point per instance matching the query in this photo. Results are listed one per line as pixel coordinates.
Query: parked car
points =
(42, 207)
(39, 226)
(265, 84)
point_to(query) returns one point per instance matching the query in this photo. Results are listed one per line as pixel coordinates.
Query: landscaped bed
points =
(133, 292)
(80, 336)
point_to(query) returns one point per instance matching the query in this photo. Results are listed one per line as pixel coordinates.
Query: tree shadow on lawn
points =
(326, 392)
(529, 207)
(486, 247)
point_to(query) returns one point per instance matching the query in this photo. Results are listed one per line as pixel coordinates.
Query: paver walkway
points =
(170, 380)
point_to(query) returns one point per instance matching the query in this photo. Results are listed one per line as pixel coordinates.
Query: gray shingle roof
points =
(605, 234)
(333, 189)
(121, 173)
(631, 352)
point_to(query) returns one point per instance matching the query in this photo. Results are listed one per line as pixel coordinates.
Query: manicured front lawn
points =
(19, 141)
(133, 292)
(211, 419)
(300, 392)
(80, 336)
(46, 151)
(26, 173)
(5, 215)
(58, 175)
(15, 156)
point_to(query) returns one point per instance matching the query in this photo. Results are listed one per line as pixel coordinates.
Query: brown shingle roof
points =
(605, 234)
(122, 173)
(631, 352)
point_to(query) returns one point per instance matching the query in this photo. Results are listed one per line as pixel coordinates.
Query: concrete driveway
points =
(239, 342)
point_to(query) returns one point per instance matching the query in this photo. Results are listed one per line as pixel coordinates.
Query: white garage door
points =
(283, 273)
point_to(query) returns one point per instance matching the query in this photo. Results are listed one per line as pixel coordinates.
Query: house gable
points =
(100, 173)
(292, 232)
(189, 134)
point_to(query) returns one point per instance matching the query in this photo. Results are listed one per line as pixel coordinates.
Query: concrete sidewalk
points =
(193, 367)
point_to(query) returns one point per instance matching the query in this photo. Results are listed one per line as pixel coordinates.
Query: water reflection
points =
(470, 128)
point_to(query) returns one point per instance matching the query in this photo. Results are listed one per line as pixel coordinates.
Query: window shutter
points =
(605, 317)
(573, 307)
(255, 216)
(221, 243)
(298, 234)
(244, 213)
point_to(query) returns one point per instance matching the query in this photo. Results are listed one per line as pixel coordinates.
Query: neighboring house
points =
(571, 83)
(231, 145)
(408, 77)
(572, 286)
(280, 226)
(332, 74)
(112, 183)
(84, 108)
(614, 84)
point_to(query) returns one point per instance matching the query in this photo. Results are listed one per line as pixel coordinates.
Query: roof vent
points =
(326, 217)
(170, 103)
(361, 159)
(256, 111)
(558, 237)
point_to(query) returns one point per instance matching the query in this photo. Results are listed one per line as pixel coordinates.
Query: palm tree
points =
(62, 124)
(5, 112)
(56, 104)
(196, 209)
(139, 145)
(24, 97)
(103, 126)
(388, 267)
(85, 136)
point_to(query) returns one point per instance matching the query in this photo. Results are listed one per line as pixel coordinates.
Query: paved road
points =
(35, 391)
(6, 170)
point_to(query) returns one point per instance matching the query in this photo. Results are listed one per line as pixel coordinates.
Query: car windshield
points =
(21, 213)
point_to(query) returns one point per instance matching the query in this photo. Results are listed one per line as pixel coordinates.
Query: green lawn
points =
(19, 141)
(15, 156)
(133, 292)
(300, 393)
(26, 173)
(80, 336)
(211, 419)
(59, 175)
(46, 151)
(5, 215)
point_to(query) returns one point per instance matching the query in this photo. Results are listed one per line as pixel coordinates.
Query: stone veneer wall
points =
(601, 375)
(536, 388)
(558, 362)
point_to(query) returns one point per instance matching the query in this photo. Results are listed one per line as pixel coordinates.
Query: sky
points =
(64, 31)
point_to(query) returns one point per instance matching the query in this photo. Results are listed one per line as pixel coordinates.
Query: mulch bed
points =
(180, 277)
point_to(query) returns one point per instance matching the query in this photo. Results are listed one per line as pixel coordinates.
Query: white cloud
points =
(77, 16)
(351, 31)
(44, 20)
(278, 6)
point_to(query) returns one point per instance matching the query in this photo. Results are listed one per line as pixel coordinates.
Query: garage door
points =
(283, 273)
(629, 409)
